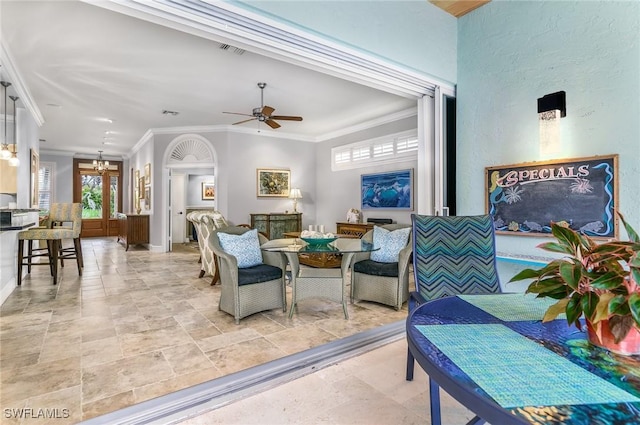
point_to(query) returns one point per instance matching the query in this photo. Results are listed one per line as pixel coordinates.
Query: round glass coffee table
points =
(308, 282)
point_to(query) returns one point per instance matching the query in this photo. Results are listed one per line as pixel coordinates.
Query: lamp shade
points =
(295, 193)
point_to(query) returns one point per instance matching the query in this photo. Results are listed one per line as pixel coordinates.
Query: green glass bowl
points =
(319, 241)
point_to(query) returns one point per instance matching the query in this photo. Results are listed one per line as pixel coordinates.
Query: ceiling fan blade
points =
(285, 118)
(238, 113)
(272, 124)
(243, 121)
(267, 110)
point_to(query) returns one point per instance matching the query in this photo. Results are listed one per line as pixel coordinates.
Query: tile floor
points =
(368, 389)
(137, 325)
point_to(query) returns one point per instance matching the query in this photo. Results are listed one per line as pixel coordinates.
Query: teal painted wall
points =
(510, 53)
(414, 34)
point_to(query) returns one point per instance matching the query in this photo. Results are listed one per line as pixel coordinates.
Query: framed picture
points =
(141, 187)
(273, 183)
(147, 198)
(208, 191)
(147, 173)
(392, 190)
(35, 172)
(578, 193)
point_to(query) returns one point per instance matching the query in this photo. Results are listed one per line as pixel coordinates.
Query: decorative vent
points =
(191, 151)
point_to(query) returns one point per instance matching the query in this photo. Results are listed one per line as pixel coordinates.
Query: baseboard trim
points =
(201, 398)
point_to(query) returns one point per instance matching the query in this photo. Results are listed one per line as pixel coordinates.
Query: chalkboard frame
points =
(591, 183)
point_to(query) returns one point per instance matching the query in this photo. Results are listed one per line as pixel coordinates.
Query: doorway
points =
(190, 161)
(100, 195)
(178, 219)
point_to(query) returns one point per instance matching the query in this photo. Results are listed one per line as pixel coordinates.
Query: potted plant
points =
(596, 281)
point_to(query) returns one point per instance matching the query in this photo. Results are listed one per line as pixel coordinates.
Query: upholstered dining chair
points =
(251, 280)
(53, 236)
(452, 255)
(205, 222)
(382, 276)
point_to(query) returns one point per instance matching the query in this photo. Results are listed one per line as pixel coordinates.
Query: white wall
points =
(510, 54)
(194, 190)
(337, 192)
(63, 190)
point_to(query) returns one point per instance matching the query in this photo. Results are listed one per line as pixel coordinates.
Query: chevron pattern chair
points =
(452, 255)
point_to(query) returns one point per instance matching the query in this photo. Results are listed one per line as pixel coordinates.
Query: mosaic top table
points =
(493, 354)
(316, 282)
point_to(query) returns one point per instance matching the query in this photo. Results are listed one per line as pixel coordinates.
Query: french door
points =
(100, 195)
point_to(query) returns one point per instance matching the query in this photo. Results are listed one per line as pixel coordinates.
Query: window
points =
(46, 183)
(391, 148)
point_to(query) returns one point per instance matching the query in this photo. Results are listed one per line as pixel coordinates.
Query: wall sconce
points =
(551, 108)
(14, 161)
(295, 194)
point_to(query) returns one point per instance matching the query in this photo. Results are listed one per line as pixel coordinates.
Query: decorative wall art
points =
(147, 173)
(579, 193)
(273, 183)
(147, 198)
(208, 191)
(35, 173)
(391, 190)
(141, 187)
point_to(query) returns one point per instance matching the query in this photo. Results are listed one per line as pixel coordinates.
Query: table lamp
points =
(295, 194)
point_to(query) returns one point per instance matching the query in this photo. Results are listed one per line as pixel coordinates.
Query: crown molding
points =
(14, 76)
(411, 112)
(57, 152)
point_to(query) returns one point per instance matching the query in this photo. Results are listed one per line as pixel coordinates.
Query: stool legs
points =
(53, 248)
(21, 258)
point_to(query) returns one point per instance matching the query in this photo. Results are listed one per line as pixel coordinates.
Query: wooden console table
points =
(274, 225)
(354, 229)
(133, 229)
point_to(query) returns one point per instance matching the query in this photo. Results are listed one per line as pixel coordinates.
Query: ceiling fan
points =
(263, 113)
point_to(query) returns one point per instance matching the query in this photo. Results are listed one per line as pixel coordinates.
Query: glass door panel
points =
(100, 195)
(91, 196)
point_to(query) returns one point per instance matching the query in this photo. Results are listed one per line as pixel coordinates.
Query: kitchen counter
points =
(17, 220)
(4, 228)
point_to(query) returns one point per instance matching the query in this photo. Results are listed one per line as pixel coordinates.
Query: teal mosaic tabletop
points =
(535, 377)
(512, 307)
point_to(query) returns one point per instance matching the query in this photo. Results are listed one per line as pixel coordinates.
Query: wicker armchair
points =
(206, 222)
(385, 283)
(246, 291)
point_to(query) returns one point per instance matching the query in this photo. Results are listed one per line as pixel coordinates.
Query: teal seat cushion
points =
(375, 268)
(245, 247)
(257, 274)
(390, 244)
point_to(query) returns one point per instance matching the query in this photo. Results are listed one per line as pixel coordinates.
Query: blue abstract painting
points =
(390, 190)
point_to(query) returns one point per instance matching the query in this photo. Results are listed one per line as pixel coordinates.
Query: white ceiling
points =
(83, 64)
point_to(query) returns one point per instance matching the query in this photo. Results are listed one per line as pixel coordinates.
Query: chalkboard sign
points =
(579, 193)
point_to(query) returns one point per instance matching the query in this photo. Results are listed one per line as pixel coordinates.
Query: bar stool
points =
(53, 237)
(62, 215)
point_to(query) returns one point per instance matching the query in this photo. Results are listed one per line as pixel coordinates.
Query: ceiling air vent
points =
(236, 50)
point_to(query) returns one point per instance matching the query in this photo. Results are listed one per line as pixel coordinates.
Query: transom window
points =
(391, 148)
